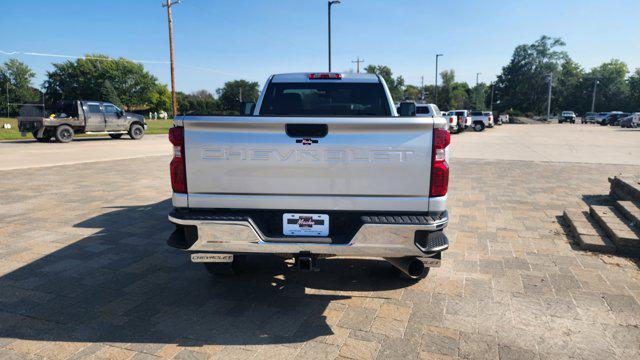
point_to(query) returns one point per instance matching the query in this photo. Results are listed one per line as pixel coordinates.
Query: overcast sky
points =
(221, 40)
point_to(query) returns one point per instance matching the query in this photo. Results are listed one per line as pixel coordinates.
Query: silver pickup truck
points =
(322, 166)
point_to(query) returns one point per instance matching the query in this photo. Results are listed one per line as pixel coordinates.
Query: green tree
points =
(448, 77)
(229, 94)
(395, 85)
(17, 76)
(634, 91)
(160, 99)
(479, 95)
(523, 82)
(99, 77)
(613, 89)
(567, 92)
(412, 92)
(459, 96)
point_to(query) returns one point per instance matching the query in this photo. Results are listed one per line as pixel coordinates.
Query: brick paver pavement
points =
(85, 273)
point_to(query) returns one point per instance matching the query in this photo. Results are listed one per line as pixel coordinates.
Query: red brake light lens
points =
(177, 166)
(325, 76)
(439, 183)
(441, 139)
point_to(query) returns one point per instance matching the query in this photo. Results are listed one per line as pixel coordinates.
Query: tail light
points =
(439, 166)
(325, 76)
(451, 119)
(177, 166)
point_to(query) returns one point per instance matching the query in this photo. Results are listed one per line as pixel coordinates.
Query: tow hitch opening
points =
(307, 262)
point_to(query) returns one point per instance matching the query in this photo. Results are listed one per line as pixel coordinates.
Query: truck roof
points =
(346, 77)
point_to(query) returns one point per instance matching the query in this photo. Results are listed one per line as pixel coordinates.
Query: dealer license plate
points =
(305, 224)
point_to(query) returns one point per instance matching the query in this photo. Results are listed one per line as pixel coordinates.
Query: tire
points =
(228, 269)
(477, 127)
(46, 137)
(560, 121)
(64, 134)
(136, 131)
(573, 121)
(115, 136)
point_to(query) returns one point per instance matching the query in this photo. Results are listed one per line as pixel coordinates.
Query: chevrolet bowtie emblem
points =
(306, 141)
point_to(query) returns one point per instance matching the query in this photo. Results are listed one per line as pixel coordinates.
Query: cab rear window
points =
(325, 99)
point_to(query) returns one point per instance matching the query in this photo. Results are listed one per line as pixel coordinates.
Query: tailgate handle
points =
(306, 130)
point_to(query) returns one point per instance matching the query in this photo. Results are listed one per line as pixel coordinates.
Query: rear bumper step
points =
(377, 235)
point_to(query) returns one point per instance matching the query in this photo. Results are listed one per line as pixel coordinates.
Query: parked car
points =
(82, 117)
(614, 119)
(567, 116)
(464, 118)
(503, 119)
(323, 167)
(631, 121)
(454, 126)
(589, 117)
(431, 110)
(490, 115)
(481, 120)
(609, 117)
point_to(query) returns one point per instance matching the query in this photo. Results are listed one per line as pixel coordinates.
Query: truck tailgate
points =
(256, 157)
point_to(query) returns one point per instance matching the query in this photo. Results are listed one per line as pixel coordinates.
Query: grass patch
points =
(153, 127)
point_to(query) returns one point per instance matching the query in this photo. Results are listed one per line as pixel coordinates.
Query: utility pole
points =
(437, 56)
(357, 61)
(593, 98)
(7, 98)
(240, 95)
(330, 3)
(174, 103)
(422, 88)
(549, 98)
(491, 105)
(477, 90)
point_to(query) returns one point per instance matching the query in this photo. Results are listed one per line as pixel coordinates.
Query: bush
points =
(512, 112)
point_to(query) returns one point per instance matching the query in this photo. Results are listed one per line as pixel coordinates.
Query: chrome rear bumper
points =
(238, 234)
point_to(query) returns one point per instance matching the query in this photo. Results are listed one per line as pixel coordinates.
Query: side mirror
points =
(407, 108)
(120, 113)
(247, 108)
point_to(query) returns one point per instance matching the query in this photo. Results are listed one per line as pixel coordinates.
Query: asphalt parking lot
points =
(85, 272)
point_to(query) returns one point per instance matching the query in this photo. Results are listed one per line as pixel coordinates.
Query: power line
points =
(11, 53)
(88, 57)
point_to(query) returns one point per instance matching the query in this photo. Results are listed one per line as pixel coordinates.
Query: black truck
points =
(80, 117)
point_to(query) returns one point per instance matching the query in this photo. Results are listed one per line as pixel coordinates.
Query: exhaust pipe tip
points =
(411, 267)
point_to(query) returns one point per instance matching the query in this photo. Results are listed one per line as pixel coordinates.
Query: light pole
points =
(549, 98)
(330, 3)
(437, 56)
(477, 90)
(593, 98)
(491, 105)
(7, 99)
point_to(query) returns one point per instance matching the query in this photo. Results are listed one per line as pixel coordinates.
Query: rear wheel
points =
(136, 131)
(115, 136)
(64, 133)
(478, 126)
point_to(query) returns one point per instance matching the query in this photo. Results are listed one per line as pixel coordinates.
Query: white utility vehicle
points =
(464, 118)
(432, 110)
(481, 120)
(324, 166)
